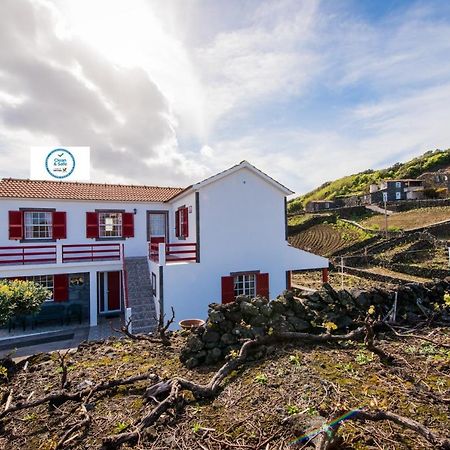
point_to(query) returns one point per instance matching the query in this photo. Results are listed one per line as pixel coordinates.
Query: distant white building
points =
(112, 249)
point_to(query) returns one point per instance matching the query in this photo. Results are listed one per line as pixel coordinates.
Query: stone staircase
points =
(140, 299)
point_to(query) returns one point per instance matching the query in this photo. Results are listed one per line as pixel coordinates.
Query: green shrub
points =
(20, 297)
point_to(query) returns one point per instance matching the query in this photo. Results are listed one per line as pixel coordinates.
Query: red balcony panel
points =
(91, 252)
(28, 254)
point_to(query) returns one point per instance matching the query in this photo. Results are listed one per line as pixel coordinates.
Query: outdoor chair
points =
(74, 311)
(50, 313)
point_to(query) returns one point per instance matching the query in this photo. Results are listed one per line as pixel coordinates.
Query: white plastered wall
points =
(242, 228)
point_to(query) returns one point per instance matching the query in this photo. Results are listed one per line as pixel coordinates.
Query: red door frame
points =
(110, 291)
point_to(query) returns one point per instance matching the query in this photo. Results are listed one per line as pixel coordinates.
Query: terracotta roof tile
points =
(63, 190)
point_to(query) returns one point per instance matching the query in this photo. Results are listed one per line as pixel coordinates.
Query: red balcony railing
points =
(91, 252)
(176, 252)
(181, 252)
(26, 254)
(153, 251)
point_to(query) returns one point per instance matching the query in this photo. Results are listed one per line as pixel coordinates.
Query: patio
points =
(54, 337)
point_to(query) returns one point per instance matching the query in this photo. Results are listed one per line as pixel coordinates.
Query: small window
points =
(398, 184)
(182, 222)
(398, 195)
(245, 285)
(76, 281)
(45, 281)
(110, 224)
(38, 224)
(153, 284)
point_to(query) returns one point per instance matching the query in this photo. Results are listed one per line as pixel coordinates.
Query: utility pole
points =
(385, 214)
(342, 273)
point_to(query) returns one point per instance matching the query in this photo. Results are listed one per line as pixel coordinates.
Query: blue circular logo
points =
(60, 163)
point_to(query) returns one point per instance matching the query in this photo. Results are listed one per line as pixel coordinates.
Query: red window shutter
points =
(185, 215)
(60, 287)
(262, 285)
(15, 224)
(59, 225)
(227, 289)
(127, 224)
(92, 225)
(177, 223)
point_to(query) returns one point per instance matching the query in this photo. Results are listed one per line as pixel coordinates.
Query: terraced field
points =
(410, 219)
(325, 239)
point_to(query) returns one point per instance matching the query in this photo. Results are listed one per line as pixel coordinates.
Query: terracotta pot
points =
(190, 324)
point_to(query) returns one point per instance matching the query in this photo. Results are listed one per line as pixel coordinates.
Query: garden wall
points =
(407, 205)
(228, 325)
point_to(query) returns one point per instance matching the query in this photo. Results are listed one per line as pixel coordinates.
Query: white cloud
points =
(57, 90)
(269, 58)
(170, 92)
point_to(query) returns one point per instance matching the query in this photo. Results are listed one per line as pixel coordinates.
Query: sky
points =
(170, 92)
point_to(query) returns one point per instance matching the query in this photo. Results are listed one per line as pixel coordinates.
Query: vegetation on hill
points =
(359, 183)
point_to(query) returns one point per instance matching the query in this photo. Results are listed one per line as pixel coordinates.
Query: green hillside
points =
(359, 183)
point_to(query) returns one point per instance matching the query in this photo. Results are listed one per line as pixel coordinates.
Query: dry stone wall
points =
(230, 324)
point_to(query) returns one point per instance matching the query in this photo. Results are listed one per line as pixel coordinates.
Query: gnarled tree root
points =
(211, 389)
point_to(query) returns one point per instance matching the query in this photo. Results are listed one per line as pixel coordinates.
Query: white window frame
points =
(245, 284)
(38, 225)
(398, 196)
(110, 224)
(398, 184)
(46, 281)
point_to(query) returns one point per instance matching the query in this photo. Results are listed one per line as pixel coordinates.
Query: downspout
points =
(197, 225)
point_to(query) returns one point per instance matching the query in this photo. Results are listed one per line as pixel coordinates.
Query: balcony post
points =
(162, 253)
(93, 298)
(59, 255)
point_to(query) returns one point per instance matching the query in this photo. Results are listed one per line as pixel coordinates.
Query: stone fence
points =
(406, 205)
(228, 325)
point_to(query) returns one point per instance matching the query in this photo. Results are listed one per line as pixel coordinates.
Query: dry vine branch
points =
(63, 365)
(60, 397)
(115, 441)
(211, 389)
(161, 331)
(329, 439)
(85, 422)
(416, 336)
(369, 341)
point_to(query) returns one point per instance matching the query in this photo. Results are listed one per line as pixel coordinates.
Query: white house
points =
(107, 249)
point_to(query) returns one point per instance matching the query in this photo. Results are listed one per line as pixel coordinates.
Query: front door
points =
(109, 292)
(157, 227)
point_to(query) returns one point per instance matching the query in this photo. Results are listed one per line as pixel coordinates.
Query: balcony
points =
(91, 253)
(27, 254)
(59, 254)
(161, 253)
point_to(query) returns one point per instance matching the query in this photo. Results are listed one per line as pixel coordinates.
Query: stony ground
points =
(265, 405)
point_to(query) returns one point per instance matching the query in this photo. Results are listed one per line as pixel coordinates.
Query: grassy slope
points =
(359, 183)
